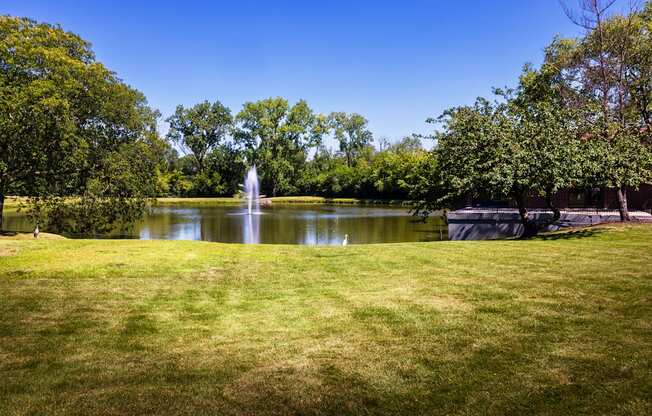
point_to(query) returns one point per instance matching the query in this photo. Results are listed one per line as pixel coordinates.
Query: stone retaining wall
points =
(491, 224)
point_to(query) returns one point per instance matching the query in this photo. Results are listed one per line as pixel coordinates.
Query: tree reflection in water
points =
(279, 224)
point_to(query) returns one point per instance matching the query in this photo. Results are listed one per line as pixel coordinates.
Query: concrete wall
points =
(490, 224)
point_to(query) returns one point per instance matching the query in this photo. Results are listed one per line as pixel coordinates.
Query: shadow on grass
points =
(325, 255)
(570, 235)
(171, 352)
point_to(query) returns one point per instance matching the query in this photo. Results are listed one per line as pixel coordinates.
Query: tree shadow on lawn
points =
(336, 254)
(89, 363)
(570, 235)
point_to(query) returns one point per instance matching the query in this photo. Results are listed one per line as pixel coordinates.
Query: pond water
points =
(279, 224)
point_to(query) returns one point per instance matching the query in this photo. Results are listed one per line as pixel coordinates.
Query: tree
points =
(276, 138)
(351, 132)
(199, 129)
(508, 149)
(609, 68)
(395, 170)
(227, 161)
(64, 117)
(115, 195)
(639, 65)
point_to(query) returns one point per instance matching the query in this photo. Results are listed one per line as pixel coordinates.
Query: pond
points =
(278, 224)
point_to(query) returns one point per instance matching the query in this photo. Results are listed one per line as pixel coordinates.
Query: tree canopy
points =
(607, 74)
(200, 129)
(66, 119)
(508, 150)
(350, 130)
(580, 120)
(276, 138)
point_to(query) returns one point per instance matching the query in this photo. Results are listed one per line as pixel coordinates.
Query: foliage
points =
(200, 129)
(228, 162)
(115, 196)
(623, 161)
(350, 130)
(65, 120)
(511, 149)
(276, 138)
(580, 120)
(607, 74)
(393, 173)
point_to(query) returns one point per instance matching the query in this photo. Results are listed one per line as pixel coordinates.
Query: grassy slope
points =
(557, 326)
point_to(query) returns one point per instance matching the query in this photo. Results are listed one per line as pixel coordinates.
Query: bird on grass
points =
(36, 232)
(346, 240)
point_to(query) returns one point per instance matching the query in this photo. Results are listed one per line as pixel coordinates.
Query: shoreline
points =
(13, 202)
(282, 200)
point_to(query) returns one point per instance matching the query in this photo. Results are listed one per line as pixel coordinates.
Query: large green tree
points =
(351, 131)
(65, 119)
(227, 162)
(609, 70)
(200, 129)
(277, 138)
(508, 149)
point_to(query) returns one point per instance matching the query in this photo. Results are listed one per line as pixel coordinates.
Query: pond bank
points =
(15, 235)
(284, 200)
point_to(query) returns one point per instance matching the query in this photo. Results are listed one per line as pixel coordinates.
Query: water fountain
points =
(251, 224)
(251, 190)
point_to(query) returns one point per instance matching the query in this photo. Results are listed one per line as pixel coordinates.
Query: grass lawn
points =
(557, 326)
(281, 200)
(12, 203)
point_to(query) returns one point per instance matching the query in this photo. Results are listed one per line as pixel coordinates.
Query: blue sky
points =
(396, 63)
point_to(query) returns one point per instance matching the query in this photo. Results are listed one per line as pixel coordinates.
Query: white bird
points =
(346, 240)
(36, 232)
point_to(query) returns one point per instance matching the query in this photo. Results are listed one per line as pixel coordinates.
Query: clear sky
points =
(395, 62)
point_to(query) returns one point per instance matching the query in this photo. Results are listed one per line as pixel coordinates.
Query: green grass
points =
(557, 326)
(198, 201)
(282, 200)
(344, 201)
(13, 202)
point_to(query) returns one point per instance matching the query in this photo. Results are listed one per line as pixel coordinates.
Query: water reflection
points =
(251, 228)
(280, 224)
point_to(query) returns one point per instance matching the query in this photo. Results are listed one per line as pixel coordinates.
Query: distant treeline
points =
(286, 143)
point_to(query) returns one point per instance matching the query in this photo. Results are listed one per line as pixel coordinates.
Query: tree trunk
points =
(2, 206)
(530, 229)
(622, 204)
(556, 213)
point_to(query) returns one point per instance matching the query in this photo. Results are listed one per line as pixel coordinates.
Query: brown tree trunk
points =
(622, 204)
(530, 229)
(556, 213)
(2, 206)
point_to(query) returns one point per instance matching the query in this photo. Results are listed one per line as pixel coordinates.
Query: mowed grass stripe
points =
(557, 325)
